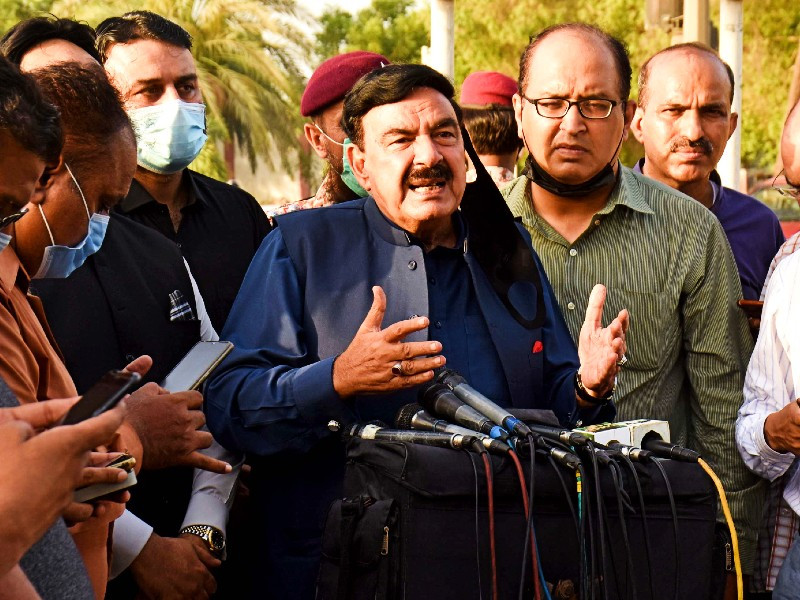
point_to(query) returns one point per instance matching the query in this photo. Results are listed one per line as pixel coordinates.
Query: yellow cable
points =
(737, 563)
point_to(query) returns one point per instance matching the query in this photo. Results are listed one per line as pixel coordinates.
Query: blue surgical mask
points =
(59, 262)
(169, 135)
(347, 175)
(5, 239)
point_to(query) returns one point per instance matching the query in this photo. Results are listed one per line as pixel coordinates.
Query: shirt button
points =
(597, 222)
(438, 324)
(179, 245)
(571, 306)
(432, 280)
(573, 252)
(412, 264)
(129, 357)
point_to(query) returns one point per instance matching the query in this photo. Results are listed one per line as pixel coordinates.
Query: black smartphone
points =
(196, 366)
(102, 396)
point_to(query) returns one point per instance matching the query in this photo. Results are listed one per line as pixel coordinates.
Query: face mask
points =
(5, 239)
(347, 175)
(169, 136)
(59, 262)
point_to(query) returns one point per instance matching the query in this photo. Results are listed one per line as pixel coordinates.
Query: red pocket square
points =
(537, 347)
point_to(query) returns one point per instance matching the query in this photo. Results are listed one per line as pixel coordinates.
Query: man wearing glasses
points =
(767, 430)
(684, 120)
(660, 254)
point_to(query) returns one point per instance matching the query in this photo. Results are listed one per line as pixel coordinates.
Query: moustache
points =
(702, 144)
(437, 171)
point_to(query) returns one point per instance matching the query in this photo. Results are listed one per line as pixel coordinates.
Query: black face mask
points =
(543, 179)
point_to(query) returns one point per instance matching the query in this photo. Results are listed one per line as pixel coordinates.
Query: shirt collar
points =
(138, 196)
(12, 272)
(393, 234)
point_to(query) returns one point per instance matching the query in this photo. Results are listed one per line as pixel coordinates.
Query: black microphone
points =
(659, 447)
(411, 416)
(426, 438)
(558, 434)
(632, 452)
(481, 403)
(439, 400)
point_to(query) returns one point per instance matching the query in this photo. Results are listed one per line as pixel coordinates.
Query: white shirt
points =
(212, 493)
(773, 378)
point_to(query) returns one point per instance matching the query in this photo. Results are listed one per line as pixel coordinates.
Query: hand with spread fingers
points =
(601, 350)
(378, 360)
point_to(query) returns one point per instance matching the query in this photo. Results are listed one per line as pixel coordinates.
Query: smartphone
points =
(102, 396)
(88, 493)
(196, 366)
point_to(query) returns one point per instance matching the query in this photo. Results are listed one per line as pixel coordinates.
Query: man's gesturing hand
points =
(600, 348)
(366, 366)
(168, 426)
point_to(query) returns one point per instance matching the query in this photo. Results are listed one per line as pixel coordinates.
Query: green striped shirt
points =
(665, 258)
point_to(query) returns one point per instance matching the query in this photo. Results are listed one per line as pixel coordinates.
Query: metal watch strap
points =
(204, 532)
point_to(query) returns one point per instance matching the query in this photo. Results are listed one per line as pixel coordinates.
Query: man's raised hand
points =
(366, 366)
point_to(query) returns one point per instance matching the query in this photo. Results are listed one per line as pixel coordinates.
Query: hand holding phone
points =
(196, 366)
(103, 395)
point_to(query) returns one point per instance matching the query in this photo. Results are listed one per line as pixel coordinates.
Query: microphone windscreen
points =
(406, 414)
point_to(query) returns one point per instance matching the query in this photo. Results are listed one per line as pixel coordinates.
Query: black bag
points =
(359, 550)
(435, 550)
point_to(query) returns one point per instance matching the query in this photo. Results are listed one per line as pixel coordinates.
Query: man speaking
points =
(346, 326)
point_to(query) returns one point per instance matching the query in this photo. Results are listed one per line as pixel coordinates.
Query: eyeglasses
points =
(12, 218)
(557, 108)
(788, 190)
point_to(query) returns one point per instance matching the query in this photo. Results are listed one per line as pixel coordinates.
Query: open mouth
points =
(426, 187)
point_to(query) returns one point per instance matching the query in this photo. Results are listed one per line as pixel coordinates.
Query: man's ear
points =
(734, 121)
(357, 159)
(44, 184)
(517, 101)
(636, 124)
(314, 137)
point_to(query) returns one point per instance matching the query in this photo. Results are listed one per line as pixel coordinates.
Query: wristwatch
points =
(584, 395)
(210, 535)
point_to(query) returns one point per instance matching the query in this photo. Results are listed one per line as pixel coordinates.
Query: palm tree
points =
(247, 54)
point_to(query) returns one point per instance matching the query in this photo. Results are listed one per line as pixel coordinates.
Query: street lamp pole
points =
(442, 51)
(730, 50)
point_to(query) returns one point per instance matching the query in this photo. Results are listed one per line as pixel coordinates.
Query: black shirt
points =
(221, 228)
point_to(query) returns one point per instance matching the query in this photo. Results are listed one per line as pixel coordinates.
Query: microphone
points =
(437, 399)
(411, 416)
(664, 449)
(558, 434)
(426, 438)
(632, 452)
(481, 403)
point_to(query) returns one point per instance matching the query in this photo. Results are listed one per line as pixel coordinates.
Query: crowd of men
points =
(620, 299)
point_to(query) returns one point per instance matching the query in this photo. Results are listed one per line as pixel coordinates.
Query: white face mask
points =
(59, 262)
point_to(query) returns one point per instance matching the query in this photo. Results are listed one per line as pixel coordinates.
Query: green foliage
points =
(394, 28)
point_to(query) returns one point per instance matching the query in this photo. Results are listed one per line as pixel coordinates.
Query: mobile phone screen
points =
(196, 366)
(102, 396)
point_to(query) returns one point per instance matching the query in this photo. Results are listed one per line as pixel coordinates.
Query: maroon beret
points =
(488, 87)
(334, 78)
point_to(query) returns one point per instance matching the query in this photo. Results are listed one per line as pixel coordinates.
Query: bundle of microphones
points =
(452, 414)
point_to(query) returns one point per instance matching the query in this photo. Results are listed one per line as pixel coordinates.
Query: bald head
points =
(56, 51)
(790, 146)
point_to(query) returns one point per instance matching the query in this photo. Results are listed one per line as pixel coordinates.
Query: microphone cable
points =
(526, 507)
(530, 535)
(617, 479)
(737, 563)
(600, 518)
(477, 523)
(586, 575)
(487, 465)
(645, 529)
(671, 497)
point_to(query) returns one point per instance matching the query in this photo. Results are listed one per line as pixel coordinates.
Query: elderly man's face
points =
(687, 119)
(149, 72)
(572, 66)
(412, 161)
(104, 183)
